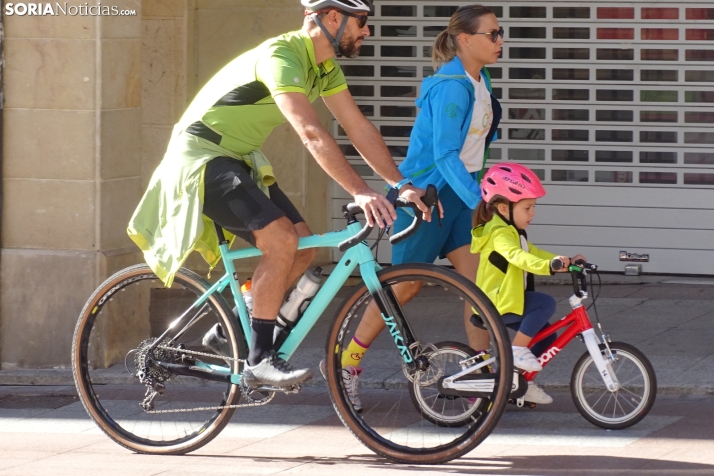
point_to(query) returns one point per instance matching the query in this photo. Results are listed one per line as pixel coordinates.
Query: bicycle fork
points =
(398, 327)
(393, 316)
(603, 363)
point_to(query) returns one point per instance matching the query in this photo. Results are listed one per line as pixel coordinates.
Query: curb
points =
(63, 377)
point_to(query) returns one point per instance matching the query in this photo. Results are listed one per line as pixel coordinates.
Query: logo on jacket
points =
(451, 110)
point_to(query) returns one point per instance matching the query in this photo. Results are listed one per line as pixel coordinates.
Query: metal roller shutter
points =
(611, 103)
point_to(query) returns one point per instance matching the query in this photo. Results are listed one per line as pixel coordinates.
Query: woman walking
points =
(448, 147)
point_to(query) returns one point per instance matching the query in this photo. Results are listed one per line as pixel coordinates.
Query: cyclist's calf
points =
(278, 241)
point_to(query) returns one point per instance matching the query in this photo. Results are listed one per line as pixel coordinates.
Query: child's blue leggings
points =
(537, 311)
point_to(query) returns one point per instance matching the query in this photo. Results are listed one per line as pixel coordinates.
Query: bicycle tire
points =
(102, 411)
(430, 412)
(642, 365)
(383, 440)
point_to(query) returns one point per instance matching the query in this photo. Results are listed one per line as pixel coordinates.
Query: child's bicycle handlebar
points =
(578, 270)
(351, 210)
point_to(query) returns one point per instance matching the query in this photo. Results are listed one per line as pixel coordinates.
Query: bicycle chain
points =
(220, 407)
(200, 354)
(201, 409)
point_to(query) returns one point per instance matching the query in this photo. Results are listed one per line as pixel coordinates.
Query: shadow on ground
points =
(516, 465)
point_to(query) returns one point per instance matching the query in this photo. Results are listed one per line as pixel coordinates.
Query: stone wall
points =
(89, 105)
(70, 172)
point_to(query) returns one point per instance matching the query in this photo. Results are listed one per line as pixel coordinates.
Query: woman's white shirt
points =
(481, 120)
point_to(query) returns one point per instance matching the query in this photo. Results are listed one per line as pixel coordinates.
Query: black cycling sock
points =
(261, 339)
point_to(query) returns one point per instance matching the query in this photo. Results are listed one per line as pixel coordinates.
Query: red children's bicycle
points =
(613, 384)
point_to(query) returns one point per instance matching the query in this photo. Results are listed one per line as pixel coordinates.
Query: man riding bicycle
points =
(214, 171)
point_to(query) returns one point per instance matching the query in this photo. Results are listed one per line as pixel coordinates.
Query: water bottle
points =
(247, 297)
(245, 289)
(295, 305)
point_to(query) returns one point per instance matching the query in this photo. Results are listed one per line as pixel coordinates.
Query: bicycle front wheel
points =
(399, 419)
(130, 389)
(627, 405)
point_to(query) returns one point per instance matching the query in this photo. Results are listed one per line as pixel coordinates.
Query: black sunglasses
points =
(494, 34)
(361, 19)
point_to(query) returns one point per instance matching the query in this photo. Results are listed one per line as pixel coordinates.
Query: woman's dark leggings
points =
(537, 311)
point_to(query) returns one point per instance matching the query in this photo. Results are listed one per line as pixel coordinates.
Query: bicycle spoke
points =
(598, 400)
(629, 403)
(633, 393)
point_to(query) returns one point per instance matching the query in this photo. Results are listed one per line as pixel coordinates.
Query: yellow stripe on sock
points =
(353, 354)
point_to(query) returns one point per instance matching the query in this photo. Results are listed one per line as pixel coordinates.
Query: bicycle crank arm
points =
(271, 389)
(477, 386)
(199, 372)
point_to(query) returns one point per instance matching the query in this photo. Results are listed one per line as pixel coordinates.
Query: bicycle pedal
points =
(292, 389)
(258, 395)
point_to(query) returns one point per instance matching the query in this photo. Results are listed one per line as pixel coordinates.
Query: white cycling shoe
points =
(535, 394)
(524, 359)
(274, 370)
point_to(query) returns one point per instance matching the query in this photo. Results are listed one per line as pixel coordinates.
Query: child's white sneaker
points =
(535, 394)
(524, 359)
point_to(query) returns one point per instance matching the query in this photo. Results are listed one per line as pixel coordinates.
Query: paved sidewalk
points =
(670, 319)
(300, 434)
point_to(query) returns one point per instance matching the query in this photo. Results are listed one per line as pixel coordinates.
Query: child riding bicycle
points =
(509, 261)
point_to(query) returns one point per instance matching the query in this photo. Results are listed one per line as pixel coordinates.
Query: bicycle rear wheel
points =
(390, 424)
(447, 410)
(112, 348)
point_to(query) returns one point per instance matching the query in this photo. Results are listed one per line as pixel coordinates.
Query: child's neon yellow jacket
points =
(500, 271)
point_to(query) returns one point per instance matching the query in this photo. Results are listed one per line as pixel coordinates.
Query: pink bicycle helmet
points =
(512, 181)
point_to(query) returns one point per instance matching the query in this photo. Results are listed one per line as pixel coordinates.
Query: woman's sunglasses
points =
(494, 34)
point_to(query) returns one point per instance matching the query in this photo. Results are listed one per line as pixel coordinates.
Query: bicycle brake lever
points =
(431, 199)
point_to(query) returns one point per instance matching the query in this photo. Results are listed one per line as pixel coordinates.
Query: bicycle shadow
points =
(542, 465)
(557, 465)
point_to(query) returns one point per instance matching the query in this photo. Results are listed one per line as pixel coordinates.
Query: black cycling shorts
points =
(233, 200)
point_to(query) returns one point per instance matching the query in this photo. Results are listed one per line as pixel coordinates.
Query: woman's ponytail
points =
(465, 20)
(444, 49)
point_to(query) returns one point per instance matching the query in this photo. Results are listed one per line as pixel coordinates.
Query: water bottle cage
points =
(303, 307)
(290, 325)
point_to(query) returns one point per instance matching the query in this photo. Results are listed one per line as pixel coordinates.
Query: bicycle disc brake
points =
(434, 368)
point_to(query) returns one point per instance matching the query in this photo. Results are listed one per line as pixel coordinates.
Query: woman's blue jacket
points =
(446, 103)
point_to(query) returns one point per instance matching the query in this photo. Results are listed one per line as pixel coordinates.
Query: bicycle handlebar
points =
(577, 266)
(430, 199)
(576, 269)
(364, 232)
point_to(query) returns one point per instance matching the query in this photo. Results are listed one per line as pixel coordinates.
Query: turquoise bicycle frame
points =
(359, 254)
